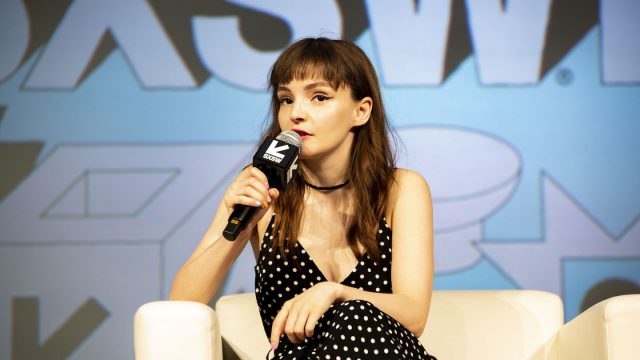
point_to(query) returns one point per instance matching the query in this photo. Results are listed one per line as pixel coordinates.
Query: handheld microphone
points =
(277, 159)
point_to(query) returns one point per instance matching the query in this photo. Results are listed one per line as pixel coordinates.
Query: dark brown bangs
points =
(310, 59)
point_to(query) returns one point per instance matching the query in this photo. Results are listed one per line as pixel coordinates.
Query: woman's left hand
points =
(299, 316)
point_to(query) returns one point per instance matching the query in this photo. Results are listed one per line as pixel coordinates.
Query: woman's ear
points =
(363, 111)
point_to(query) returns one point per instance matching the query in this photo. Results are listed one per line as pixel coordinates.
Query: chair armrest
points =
(172, 330)
(609, 330)
(492, 324)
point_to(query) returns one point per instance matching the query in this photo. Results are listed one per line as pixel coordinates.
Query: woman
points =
(325, 282)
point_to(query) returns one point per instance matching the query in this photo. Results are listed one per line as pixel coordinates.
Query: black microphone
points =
(277, 159)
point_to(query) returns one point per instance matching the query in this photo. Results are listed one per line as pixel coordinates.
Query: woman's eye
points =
(286, 101)
(321, 97)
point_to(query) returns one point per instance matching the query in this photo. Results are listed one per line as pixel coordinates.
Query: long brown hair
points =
(371, 163)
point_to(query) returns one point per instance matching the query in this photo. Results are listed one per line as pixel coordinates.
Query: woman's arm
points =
(200, 277)
(412, 262)
(411, 270)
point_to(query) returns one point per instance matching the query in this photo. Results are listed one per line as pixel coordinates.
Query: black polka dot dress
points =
(348, 330)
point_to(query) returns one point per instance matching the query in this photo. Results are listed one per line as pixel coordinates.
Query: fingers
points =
(294, 327)
(250, 188)
(274, 193)
(294, 320)
(277, 328)
(285, 323)
(255, 172)
(299, 316)
(259, 175)
(311, 323)
(255, 193)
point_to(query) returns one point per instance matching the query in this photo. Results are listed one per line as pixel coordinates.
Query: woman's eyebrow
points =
(317, 84)
(306, 87)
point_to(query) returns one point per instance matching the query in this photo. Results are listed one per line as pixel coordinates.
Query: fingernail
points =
(274, 346)
(266, 185)
(258, 203)
(268, 198)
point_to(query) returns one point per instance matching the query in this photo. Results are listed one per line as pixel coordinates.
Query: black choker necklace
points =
(325, 188)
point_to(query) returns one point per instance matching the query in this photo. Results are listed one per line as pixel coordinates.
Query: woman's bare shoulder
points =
(406, 183)
(407, 180)
(408, 174)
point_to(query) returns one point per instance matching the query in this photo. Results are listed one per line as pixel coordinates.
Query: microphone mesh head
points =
(290, 137)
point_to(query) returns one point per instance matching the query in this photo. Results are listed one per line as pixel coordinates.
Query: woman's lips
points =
(303, 134)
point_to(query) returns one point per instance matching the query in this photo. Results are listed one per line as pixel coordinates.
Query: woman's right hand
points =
(203, 273)
(250, 188)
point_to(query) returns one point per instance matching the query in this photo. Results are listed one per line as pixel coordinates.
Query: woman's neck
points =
(324, 175)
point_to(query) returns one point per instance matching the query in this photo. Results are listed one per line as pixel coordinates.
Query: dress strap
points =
(269, 233)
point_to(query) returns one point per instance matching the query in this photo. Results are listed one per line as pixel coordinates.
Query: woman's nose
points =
(298, 112)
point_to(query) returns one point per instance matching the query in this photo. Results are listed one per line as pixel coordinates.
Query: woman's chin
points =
(307, 155)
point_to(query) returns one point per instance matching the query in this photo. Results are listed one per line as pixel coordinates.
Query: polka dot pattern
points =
(349, 330)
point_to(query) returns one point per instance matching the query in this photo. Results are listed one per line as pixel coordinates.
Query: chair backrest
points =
(241, 326)
(475, 324)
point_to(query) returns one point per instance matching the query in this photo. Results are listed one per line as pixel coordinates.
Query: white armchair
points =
(477, 324)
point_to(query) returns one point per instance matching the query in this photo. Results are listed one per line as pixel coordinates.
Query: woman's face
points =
(322, 116)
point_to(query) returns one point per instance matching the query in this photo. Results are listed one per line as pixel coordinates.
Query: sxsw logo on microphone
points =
(274, 152)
